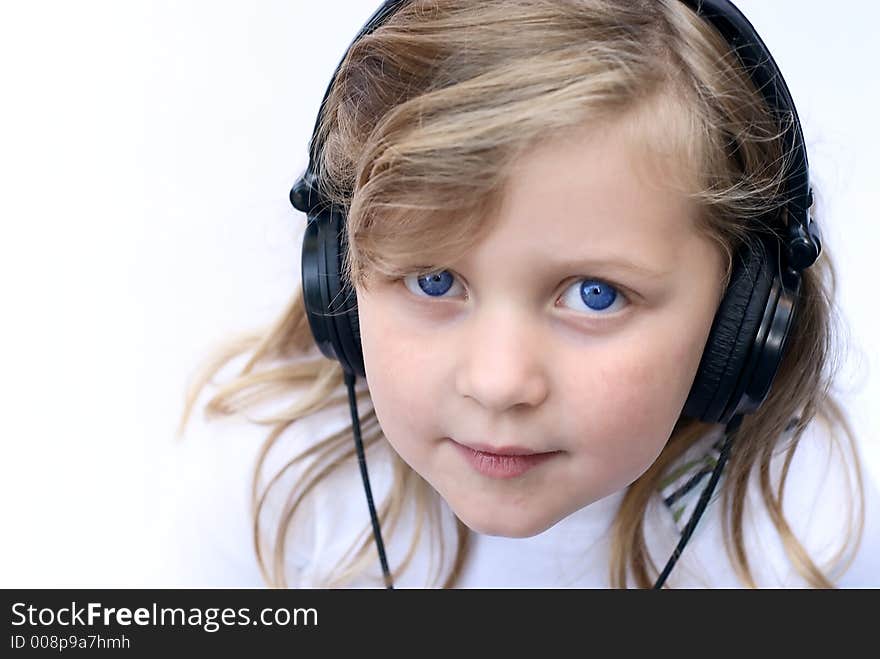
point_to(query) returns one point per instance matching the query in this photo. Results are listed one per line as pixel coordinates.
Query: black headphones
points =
(756, 315)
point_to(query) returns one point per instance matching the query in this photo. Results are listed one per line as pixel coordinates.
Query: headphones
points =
(754, 319)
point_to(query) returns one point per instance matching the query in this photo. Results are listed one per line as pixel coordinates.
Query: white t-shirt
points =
(217, 550)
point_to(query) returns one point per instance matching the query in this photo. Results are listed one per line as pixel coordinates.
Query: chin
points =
(510, 527)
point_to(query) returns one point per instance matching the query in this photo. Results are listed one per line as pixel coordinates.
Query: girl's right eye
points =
(433, 285)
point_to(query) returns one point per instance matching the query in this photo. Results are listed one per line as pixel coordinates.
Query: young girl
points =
(545, 203)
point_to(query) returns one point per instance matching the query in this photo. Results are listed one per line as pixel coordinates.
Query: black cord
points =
(362, 461)
(730, 431)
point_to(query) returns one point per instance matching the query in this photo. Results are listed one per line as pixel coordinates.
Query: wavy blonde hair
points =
(427, 116)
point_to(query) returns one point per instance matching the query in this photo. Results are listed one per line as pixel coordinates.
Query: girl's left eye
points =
(595, 295)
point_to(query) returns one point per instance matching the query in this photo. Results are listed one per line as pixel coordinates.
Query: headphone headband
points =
(803, 243)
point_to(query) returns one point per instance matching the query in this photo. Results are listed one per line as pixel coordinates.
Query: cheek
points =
(657, 376)
(395, 366)
(632, 398)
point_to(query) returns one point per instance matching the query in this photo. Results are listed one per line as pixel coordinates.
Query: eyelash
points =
(619, 290)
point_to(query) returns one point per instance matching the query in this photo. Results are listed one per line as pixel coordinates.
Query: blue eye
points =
(597, 295)
(435, 284)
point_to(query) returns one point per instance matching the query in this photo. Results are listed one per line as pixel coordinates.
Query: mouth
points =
(501, 450)
(502, 462)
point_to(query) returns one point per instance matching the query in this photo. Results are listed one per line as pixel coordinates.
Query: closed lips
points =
(501, 450)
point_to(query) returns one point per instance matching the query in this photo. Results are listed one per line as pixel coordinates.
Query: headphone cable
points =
(362, 462)
(730, 431)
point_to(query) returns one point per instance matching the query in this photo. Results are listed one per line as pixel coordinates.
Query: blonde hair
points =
(427, 116)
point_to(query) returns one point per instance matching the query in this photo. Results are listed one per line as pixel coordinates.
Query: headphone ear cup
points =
(316, 297)
(331, 304)
(355, 323)
(350, 325)
(733, 334)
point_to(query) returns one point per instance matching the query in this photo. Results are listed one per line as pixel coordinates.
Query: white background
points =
(147, 153)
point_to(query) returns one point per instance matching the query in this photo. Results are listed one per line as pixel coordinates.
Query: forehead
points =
(600, 192)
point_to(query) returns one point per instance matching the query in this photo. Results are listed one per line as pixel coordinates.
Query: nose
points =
(503, 363)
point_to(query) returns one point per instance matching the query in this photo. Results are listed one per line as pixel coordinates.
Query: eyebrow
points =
(609, 263)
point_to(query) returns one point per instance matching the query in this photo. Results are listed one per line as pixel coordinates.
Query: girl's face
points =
(573, 331)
